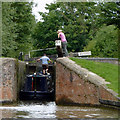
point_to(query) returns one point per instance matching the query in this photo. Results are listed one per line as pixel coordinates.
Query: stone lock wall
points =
(76, 85)
(12, 75)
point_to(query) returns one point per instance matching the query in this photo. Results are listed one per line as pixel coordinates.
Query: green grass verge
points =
(106, 70)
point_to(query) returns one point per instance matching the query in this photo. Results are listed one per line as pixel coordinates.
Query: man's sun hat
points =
(59, 31)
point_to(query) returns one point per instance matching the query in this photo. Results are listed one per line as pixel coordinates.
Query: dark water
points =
(51, 110)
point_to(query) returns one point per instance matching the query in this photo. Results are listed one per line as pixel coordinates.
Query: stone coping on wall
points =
(86, 75)
(3, 60)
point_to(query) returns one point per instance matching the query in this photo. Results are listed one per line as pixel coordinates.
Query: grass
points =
(106, 70)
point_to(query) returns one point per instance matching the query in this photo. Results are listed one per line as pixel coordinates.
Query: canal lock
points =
(37, 86)
(39, 109)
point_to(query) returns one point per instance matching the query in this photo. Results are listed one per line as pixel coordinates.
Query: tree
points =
(18, 24)
(72, 18)
(25, 23)
(110, 13)
(80, 22)
(105, 43)
(8, 30)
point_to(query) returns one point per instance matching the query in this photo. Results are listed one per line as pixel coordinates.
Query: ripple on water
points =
(51, 110)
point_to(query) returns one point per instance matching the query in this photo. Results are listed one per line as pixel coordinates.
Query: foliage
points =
(8, 30)
(106, 70)
(25, 24)
(103, 40)
(105, 43)
(18, 23)
(73, 18)
(82, 23)
(110, 13)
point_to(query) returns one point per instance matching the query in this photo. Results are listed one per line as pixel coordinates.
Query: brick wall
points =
(76, 85)
(11, 78)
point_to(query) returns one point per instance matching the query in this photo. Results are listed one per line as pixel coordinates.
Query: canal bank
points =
(78, 86)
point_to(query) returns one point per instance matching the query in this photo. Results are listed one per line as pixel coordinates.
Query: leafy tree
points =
(105, 43)
(110, 13)
(18, 24)
(8, 30)
(25, 23)
(73, 18)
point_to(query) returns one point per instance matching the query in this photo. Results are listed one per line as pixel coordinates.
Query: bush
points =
(105, 43)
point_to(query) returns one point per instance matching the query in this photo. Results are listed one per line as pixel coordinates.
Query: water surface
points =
(51, 110)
